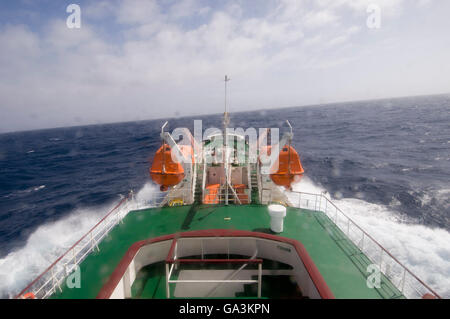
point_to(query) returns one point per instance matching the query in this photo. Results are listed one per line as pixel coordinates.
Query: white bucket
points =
(277, 214)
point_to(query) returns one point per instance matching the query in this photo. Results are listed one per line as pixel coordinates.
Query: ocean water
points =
(386, 163)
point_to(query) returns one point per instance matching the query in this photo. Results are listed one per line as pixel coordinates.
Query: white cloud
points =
(424, 3)
(99, 9)
(359, 6)
(320, 19)
(18, 40)
(138, 11)
(162, 67)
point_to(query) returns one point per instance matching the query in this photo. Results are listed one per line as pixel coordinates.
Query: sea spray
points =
(50, 240)
(424, 250)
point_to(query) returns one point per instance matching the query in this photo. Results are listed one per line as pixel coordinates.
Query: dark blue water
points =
(384, 152)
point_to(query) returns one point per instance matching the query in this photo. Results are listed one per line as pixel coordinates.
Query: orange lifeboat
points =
(288, 167)
(164, 171)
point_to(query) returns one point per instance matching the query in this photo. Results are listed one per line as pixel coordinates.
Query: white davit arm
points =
(166, 137)
(268, 160)
(286, 139)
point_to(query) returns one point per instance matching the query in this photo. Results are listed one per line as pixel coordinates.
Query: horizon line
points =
(219, 113)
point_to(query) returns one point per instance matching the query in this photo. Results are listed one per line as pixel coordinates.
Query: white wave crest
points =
(50, 240)
(424, 250)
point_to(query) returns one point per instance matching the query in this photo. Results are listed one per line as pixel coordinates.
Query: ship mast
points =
(226, 121)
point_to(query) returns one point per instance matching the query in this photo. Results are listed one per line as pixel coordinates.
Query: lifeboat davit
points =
(288, 168)
(164, 171)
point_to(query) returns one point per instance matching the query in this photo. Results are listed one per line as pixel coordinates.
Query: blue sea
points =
(386, 162)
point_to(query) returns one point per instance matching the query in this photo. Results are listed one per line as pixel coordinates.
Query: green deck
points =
(340, 262)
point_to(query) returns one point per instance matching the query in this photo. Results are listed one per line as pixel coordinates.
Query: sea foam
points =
(49, 241)
(424, 250)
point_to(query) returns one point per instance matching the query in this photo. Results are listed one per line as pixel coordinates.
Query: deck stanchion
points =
(403, 279)
(388, 270)
(55, 280)
(201, 243)
(167, 281)
(348, 227)
(92, 242)
(381, 257)
(362, 241)
(259, 279)
(175, 255)
(96, 244)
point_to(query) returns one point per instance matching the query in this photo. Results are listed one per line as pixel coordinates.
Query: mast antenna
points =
(226, 121)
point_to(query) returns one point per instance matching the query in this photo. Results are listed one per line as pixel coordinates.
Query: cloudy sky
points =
(139, 59)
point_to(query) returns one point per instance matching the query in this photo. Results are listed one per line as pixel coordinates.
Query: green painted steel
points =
(340, 262)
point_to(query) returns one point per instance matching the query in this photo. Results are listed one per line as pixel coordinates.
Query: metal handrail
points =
(161, 199)
(46, 283)
(329, 205)
(172, 260)
(220, 196)
(204, 179)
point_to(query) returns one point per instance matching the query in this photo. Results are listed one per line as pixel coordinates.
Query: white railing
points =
(397, 273)
(194, 181)
(258, 178)
(52, 279)
(235, 197)
(204, 180)
(173, 260)
(405, 281)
